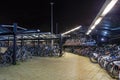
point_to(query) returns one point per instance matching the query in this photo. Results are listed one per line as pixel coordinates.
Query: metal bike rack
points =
(20, 33)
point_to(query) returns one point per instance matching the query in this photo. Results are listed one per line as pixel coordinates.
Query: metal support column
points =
(22, 41)
(38, 46)
(52, 17)
(14, 44)
(8, 42)
(61, 46)
(52, 21)
(38, 42)
(56, 28)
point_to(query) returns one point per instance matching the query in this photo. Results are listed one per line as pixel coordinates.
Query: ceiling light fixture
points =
(101, 15)
(71, 30)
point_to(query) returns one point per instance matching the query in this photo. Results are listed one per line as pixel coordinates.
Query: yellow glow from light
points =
(93, 27)
(105, 11)
(89, 32)
(109, 7)
(98, 21)
(71, 30)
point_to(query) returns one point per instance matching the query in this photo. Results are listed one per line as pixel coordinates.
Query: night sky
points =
(36, 14)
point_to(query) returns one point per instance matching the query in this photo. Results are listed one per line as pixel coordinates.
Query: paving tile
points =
(68, 67)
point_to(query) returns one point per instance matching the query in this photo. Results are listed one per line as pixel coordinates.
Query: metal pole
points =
(8, 41)
(38, 46)
(52, 17)
(56, 28)
(22, 41)
(51, 21)
(60, 46)
(14, 44)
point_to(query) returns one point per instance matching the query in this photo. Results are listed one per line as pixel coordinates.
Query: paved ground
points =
(68, 67)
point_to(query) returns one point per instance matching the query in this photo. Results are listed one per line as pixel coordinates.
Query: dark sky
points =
(36, 14)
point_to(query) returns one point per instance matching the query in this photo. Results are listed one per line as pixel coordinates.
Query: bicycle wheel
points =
(99, 59)
(8, 59)
(93, 59)
(101, 63)
(109, 68)
(115, 72)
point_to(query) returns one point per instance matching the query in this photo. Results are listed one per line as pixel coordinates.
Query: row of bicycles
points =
(108, 57)
(6, 55)
(23, 53)
(45, 50)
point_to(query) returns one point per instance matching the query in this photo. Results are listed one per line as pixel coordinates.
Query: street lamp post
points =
(51, 21)
(52, 17)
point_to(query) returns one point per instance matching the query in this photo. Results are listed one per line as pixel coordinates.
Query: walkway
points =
(68, 67)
